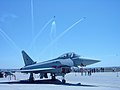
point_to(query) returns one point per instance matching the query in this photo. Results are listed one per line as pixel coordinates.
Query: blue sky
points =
(25, 21)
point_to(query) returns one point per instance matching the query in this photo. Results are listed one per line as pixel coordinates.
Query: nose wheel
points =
(63, 81)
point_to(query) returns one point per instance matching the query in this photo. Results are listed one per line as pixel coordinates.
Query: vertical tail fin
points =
(27, 59)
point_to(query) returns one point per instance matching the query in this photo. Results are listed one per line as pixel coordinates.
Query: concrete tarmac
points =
(98, 81)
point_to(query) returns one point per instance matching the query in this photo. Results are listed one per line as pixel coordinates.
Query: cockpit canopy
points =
(69, 55)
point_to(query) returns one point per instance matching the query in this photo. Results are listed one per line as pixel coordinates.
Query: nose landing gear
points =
(53, 78)
(63, 80)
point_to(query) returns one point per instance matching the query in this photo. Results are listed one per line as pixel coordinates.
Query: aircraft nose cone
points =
(84, 61)
(89, 61)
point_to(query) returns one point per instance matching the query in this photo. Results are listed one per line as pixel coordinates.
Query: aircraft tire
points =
(63, 81)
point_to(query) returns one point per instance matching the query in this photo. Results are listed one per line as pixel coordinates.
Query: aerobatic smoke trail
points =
(53, 31)
(5, 36)
(52, 36)
(62, 34)
(38, 34)
(32, 18)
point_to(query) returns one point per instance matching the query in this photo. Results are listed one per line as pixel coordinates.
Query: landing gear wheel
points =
(53, 77)
(63, 81)
(31, 78)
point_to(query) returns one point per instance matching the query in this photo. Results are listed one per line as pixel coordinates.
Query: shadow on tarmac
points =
(48, 81)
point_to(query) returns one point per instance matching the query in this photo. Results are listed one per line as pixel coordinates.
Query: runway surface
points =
(98, 81)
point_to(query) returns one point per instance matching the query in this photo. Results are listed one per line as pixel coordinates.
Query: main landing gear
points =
(31, 78)
(53, 78)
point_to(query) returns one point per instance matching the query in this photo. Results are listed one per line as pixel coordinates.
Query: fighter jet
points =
(59, 66)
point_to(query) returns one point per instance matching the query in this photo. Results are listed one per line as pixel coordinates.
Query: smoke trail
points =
(52, 37)
(5, 36)
(53, 31)
(62, 34)
(36, 37)
(32, 18)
